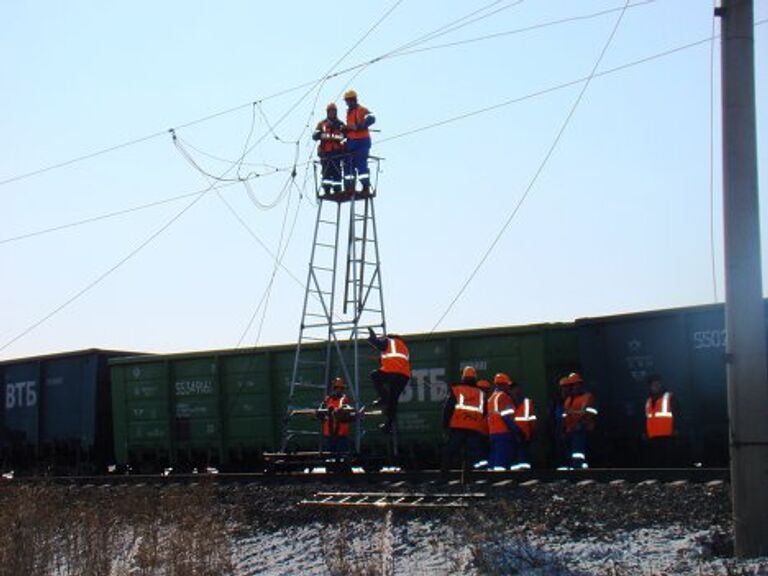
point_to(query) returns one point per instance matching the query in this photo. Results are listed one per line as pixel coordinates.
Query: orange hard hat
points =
(469, 372)
(350, 95)
(502, 379)
(572, 378)
(483, 384)
(331, 106)
(339, 383)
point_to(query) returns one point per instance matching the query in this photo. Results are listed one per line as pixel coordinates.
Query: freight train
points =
(84, 411)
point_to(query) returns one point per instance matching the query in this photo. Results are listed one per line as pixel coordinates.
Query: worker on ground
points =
(661, 421)
(358, 144)
(579, 413)
(330, 133)
(525, 421)
(464, 416)
(501, 424)
(392, 376)
(336, 412)
(482, 464)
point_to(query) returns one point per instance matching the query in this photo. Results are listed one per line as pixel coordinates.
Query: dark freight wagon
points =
(686, 347)
(56, 412)
(225, 408)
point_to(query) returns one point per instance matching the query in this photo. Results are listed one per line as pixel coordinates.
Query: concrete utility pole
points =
(744, 314)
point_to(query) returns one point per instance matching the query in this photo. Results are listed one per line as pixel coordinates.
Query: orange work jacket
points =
(395, 358)
(357, 116)
(525, 418)
(499, 405)
(659, 420)
(468, 414)
(579, 409)
(330, 136)
(342, 428)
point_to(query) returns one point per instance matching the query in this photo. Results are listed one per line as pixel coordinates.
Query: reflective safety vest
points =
(659, 420)
(525, 418)
(468, 412)
(499, 405)
(357, 116)
(329, 423)
(579, 409)
(396, 359)
(330, 135)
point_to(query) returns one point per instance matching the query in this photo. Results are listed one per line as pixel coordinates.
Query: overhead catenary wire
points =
(538, 171)
(413, 131)
(218, 114)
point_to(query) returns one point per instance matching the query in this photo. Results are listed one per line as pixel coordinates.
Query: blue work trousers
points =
(356, 161)
(577, 448)
(336, 444)
(502, 448)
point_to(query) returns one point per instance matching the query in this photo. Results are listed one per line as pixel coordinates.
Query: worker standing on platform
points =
(358, 146)
(661, 421)
(392, 376)
(579, 414)
(330, 133)
(336, 413)
(501, 424)
(525, 421)
(464, 417)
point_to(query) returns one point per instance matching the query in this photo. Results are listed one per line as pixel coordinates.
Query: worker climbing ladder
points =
(340, 303)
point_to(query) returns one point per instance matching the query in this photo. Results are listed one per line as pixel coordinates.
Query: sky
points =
(617, 218)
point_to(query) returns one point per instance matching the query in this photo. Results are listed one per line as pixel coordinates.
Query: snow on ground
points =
(436, 548)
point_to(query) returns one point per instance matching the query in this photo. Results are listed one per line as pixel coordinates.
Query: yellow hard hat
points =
(350, 95)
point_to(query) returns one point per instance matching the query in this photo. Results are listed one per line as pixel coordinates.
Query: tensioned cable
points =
(276, 170)
(191, 123)
(540, 169)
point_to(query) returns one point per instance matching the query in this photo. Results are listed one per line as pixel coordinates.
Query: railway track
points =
(394, 480)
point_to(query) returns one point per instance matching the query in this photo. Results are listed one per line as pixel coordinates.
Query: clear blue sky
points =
(619, 219)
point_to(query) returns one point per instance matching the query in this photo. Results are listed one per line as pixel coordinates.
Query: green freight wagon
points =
(225, 408)
(190, 410)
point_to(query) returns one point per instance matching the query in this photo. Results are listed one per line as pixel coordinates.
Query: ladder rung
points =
(333, 222)
(323, 268)
(312, 386)
(324, 245)
(302, 433)
(315, 315)
(315, 291)
(312, 362)
(371, 310)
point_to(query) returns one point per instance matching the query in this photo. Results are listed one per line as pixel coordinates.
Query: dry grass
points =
(177, 531)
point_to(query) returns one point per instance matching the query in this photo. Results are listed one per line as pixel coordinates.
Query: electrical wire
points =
(539, 170)
(179, 127)
(275, 170)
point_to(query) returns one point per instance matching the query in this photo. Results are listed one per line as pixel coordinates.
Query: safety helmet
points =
(350, 95)
(572, 378)
(468, 372)
(502, 379)
(331, 106)
(483, 384)
(338, 384)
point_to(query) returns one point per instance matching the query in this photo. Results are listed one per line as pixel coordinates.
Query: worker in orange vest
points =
(579, 415)
(330, 133)
(358, 146)
(464, 417)
(661, 421)
(501, 424)
(525, 421)
(336, 412)
(392, 376)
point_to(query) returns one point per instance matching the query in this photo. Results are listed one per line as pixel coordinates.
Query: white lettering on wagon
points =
(20, 394)
(193, 387)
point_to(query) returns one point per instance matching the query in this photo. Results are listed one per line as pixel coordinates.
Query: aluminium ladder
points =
(340, 304)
